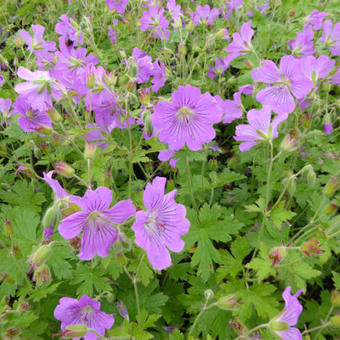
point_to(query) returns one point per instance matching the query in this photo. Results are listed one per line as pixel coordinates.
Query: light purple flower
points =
(335, 78)
(48, 232)
(289, 316)
(187, 119)
(144, 65)
(327, 128)
(204, 15)
(155, 20)
(5, 109)
(159, 76)
(315, 19)
(86, 312)
(219, 68)
(241, 43)
(303, 44)
(31, 120)
(175, 10)
(36, 42)
(117, 5)
(260, 128)
(289, 80)
(231, 7)
(38, 89)
(160, 228)
(232, 109)
(96, 136)
(166, 155)
(2, 80)
(112, 34)
(96, 221)
(331, 36)
(64, 28)
(316, 68)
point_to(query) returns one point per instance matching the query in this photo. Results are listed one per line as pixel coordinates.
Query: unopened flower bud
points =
(54, 115)
(75, 243)
(208, 294)
(331, 187)
(277, 255)
(23, 306)
(122, 259)
(50, 217)
(43, 129)
(11, 333)
(307, 120)
(122, 310)
(74, 331)
(327, 124)
(335, 321)
(64, 169)
(90, 150)
(228, 302)
(311, 247)
(331, 209)
(18, 41)
(26, 169)
(8, 228)
(144, 96)
(291, 185)
(42, 274)
(311, 176)
(40, 256)
(182, 48)
(289, 144)
(222, 34)
(212, 164)
(335, 298)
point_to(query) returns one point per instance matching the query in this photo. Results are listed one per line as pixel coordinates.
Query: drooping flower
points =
(281, 325)
(282, 84)
(85, 312)
(117, 5)
(204, 15)
(160, 228)
(155, 20)
(260, 128)
(331, 36)
(38, 89)
(315, 19)
(187, 119)
(303, 44)
(96, 220)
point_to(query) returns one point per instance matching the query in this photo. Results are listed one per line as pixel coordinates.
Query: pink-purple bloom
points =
(155, 20)
(316, 68)
(160, 228)
(97, 221)
(68, 33)
(85, 312)
(37, 42)
(282, 84)
(288, 317)
(259, 129)
(204, 15)
(5, 109)
(315, 19)
(303, 44)
(331, 36)
(117, 5)
(187, 119)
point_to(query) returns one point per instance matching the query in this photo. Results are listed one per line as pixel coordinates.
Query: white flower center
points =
(152, 224)
(184, 114)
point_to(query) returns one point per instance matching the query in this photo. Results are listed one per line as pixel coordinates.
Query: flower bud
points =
(43, 129)
(54, 115)
(307, 120)
(11, 333)
(122, 310)
(26, 169)
(289, 144)
(228, 302)
(144, 96)
(42, 274)
(291, 186)
(122, 259)
(278, 254)
(23, 306)
(74, 331)
(208, 294)
(331, 209)
(90, 150)
(335, 321)
(50, 217)
(212, 164)
(64, 169)
(8, 228)
(327, 124)
(331, 187)
(311, 176)
(311, 247)
(335, 298)
(40, 256)
(190, 27)
(148, 127)
(182, 48)
(75, 243)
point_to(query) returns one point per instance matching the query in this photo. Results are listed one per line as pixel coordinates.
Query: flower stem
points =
(316, 328)
(190, 183)
(203, 309)
(252, 330)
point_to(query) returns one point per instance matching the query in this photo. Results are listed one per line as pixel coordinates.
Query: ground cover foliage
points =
(169, 169)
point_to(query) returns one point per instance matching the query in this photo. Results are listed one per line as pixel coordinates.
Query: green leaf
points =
(279, 215)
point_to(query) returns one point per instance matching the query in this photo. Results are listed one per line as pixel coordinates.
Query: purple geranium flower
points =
(219, 68)
(144, 65)
(166, 155)
(155, 20)
(175, 11)
(70, 35)
(97, 221)
(31, 120)
(39, 88)
(315, 19)
(282, 83)
(232, 6)
(204, 15)
(2, 80)
(117, 5)
(159, 76)
(187, 119)
(5, 107)
(316, 68)
(331, 36)
(86, 312)
(288, 317)
(303, 44)
(160, 228)
(36, 42)
(259, 128)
